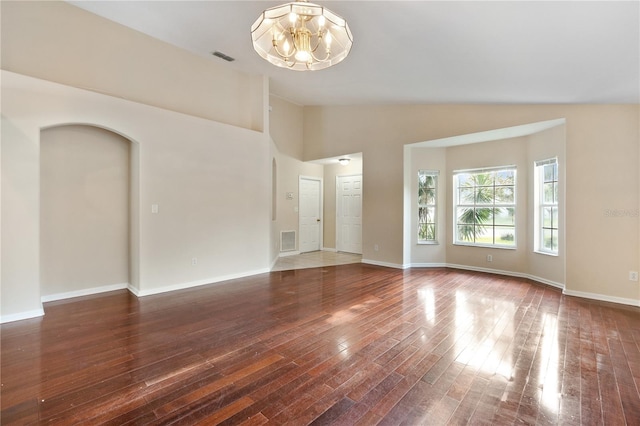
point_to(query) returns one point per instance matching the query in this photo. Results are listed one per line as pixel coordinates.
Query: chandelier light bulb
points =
(302, 56)
(327, 40)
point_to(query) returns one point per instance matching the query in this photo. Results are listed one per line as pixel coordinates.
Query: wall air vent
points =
(287, 240)
(223, 56)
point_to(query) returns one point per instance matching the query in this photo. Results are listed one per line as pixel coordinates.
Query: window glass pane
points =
(465, 233)
(506, 177)
(426, 214)
(430, 231)
(484, 179)
(431, 196)
(483, 216)
(504, 216)
(484, 195)
(465, 215)
(423, 195)
(547, 239)
(547, 217)
(555, 193)
(484, 234)
(554, 217)
(423, 231)
(465, 195)
(504, 195)
(554, 243)
(549, 193)
(464, 179)
(550, 171)
(505, 235)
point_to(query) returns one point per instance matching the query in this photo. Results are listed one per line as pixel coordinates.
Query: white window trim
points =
(538, 205)
(435, 173)
(456, 205)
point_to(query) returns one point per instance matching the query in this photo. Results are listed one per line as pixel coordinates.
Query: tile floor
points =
(315, 259)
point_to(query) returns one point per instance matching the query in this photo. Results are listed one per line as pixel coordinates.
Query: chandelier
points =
(301, 36)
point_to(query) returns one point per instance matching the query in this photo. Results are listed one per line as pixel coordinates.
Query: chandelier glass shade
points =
(301, 36)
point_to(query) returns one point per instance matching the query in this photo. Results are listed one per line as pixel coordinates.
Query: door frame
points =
(320, 206)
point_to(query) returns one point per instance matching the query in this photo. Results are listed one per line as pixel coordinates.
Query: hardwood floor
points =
(343, 345)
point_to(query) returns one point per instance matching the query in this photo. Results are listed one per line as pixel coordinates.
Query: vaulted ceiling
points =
(425, 51)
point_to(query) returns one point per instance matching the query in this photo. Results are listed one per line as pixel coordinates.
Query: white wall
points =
(211, 182)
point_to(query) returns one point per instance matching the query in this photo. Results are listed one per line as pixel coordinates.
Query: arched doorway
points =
(85, 211)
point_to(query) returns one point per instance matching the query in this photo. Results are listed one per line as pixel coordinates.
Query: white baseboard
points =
(133, 290)
(22, 316)
(197, 283)
(507, 273)
(331, 249)
(385, 264)
(273, 262)
(428, 265)
(84, 292)
(602, 297)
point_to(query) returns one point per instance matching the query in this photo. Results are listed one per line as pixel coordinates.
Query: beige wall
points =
(69, 45)
(600, 249)
(286, 122)
(84, 210)
(286, 130)
(211, 182)
(492, 154)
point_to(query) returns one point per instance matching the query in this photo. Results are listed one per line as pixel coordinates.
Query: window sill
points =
(546, 253)
(485, 246)
(428, 243)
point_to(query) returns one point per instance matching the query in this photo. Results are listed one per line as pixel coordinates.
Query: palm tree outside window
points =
(427, 201)
(485, 207)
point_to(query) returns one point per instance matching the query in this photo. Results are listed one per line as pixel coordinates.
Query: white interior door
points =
(310, 214)
(349, 214)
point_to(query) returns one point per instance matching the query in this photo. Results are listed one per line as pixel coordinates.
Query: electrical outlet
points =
(194, 261)
(375, 247)
(633, 276)
(489, 258)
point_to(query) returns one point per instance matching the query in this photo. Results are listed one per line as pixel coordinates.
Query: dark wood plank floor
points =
(344, 345)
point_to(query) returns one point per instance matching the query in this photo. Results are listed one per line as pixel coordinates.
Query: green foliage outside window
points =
(427, 195)
(485, 207)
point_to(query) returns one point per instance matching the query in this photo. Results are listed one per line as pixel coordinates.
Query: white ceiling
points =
(425, 51)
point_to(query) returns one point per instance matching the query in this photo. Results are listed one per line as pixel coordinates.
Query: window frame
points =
(435, 175)
(492, 205)
(540, 204)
